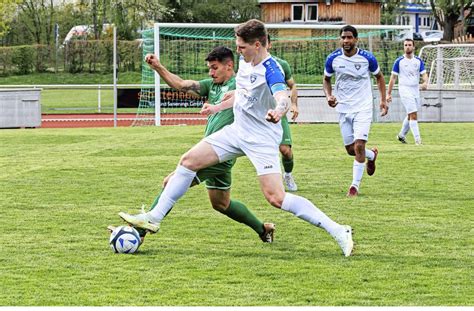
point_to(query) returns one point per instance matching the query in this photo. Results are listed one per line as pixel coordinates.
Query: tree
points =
(212, 11)
(390, 11)
(7, 11)
(447, 14)
(131, 15)
(38, 18)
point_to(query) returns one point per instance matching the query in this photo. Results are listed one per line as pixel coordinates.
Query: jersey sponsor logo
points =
(253, 78)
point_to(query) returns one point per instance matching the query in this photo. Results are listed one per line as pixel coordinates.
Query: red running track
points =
(107, 120)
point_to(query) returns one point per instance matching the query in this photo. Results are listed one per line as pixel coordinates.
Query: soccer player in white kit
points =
(352, 98)
(259, 102)
(408, 69)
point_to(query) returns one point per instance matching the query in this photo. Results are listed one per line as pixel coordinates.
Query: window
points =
(405, 20)
(311, 12)
(297, 13)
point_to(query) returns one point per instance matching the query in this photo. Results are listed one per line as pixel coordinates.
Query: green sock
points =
(287, 164)
(239, 212)
(142, 232)
(155, 202)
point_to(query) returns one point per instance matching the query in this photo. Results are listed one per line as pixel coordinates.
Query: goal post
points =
(450, 66)
(182, 48)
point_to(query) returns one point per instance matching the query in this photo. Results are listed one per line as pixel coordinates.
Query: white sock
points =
(414, 129)
(357, 172)
(405, 128)
(304, 209)
(369, 154)
(177, 186)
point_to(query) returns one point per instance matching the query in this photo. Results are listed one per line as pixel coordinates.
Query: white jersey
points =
(353, 88)
(408, 71)
(255, 86)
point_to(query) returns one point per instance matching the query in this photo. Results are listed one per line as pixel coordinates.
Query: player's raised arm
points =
(189, 86)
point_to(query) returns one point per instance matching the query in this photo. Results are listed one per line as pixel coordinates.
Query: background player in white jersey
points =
(259, 102)
(286, 150)
(408, 69)
(353, 100)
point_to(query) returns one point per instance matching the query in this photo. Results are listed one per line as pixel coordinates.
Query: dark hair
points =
(411, 40)
(221, 54)
(268, 38)
(349, 28)
(251, 31)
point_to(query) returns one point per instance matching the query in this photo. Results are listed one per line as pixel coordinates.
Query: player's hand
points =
(273, 116)
(424, 86)
(383, 109)
(332, 101)
(208, 109)
(294, 111)
(389, 98)
(152, 60)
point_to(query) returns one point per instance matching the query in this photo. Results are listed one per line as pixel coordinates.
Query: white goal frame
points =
(404, 28)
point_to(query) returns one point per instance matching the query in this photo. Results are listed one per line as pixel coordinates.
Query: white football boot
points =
(290, 182)
(141, 221)
(344, 239)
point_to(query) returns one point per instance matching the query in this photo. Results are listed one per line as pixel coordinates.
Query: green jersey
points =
(285, 66)
(214, 93)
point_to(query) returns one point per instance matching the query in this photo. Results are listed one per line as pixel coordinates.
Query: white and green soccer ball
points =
(124, 240)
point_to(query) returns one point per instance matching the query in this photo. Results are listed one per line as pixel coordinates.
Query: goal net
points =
(182, 48)
(450, 66)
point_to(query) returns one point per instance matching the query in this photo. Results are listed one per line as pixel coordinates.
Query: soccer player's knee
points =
(188, 161)
(218, 206)
(350, 150)
(285, 150)
(275, 200)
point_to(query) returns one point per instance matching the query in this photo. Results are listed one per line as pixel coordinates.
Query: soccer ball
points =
(124, 240)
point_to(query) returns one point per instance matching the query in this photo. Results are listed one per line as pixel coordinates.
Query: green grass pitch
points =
(60, 188)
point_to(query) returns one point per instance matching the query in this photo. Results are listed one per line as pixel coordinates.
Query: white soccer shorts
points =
(355, 125)
(227, 145)
(410, 103)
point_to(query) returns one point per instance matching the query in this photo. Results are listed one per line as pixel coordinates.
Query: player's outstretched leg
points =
(304, 209)
(177, 186)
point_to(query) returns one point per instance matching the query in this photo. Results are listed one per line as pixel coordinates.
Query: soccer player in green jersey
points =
(286, 142)
(217, 177)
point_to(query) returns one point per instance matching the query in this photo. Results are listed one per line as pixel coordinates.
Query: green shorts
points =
(218, 176)
(286, 132)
